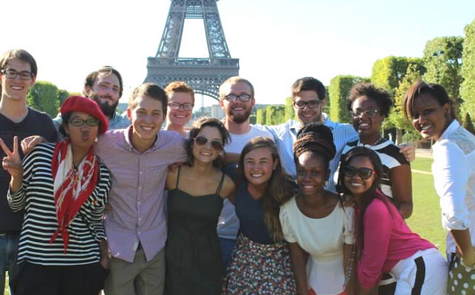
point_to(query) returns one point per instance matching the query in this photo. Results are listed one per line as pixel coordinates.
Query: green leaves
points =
(339, 89)
(43, 96)
(467, 90)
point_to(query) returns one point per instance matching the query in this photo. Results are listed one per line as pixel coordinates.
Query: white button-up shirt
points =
(454, 180)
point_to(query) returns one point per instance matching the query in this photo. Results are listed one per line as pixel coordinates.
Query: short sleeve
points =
(284, 217)
(349, 223)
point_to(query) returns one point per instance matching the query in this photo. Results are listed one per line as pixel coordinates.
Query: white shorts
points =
(424, 273)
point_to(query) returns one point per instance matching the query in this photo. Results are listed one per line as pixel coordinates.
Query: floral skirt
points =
(259, 269)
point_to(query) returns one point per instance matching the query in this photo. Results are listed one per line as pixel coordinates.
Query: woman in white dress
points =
(318, 228)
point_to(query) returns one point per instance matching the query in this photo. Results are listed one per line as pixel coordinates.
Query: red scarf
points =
(71, 187)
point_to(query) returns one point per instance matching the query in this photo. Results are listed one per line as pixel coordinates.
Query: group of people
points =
(307, 207)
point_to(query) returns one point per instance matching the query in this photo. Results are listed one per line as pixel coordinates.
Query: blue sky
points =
(276, 41)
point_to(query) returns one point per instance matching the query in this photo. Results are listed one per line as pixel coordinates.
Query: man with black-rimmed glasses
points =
(236, 98)
(18, 72)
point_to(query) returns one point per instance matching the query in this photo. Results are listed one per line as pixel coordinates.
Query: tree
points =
(388, 72)
(327, 108)
(396, 117)
(339, 89)
(289, 109)
(261, 116)
(467, 90)
(252, 119)
(43, 96)
(467, 123)
(62, 95)
(443, 61)
(275, 115)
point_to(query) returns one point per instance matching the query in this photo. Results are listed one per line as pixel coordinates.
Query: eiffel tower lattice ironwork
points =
(203, 74)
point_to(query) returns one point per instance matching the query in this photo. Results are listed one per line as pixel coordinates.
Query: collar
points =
(326, 121)
(113, 116)
(451, 128)
(380, 143)
(128, 140)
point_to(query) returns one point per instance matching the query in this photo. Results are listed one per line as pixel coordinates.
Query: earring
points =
(326, 182)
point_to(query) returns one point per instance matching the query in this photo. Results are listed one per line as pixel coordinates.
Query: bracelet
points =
(471, 267)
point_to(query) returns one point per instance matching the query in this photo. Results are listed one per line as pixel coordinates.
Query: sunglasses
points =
(215, 144)
(364, 173)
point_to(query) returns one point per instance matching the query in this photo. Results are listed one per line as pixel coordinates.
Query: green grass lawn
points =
(425, 219)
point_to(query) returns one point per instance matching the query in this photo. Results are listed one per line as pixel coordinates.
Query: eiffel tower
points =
(204, 75)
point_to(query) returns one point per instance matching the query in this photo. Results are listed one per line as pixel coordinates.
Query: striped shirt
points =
(36, 196)
(390, 157)
(286, 134)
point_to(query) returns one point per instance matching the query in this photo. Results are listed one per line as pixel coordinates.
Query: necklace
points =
(380, 140)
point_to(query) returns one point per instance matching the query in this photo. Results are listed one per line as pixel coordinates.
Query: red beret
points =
(85, 105)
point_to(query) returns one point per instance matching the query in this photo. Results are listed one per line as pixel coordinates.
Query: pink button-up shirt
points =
(136, 196)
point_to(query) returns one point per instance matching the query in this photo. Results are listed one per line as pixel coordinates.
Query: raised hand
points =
(12, 161)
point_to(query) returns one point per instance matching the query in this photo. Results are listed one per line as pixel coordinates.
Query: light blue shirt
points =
(286, 134)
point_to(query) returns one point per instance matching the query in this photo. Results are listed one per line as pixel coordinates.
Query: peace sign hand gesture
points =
(12, 162)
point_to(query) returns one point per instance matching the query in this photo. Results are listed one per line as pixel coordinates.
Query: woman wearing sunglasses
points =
(368, 107)
(433, 116)
(181, 100)
(196, 192)
(63, 189)
(385, 242)
(318, 229)
(260, 263)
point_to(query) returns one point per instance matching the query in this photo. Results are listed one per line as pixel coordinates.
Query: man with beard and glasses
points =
(105, 87)
(236, 97)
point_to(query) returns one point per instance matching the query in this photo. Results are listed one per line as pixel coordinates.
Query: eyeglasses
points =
(177, 106)
(89, 122)
(11, 74)
(215, 144)
(364, 173)
(311, 104)
(233, 97)
(368, 113)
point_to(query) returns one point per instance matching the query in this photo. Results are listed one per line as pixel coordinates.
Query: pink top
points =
(136, 196)
(387, 240)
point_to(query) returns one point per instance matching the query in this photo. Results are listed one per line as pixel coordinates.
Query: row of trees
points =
(449, 61)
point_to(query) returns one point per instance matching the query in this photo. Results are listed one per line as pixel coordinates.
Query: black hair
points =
(372, 193)
(65, 121)
(316, 138)
(197, 126)
(308, 84)
(420, 88)
(380, 96)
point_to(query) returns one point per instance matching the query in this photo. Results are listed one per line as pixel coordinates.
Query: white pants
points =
(426, 270)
